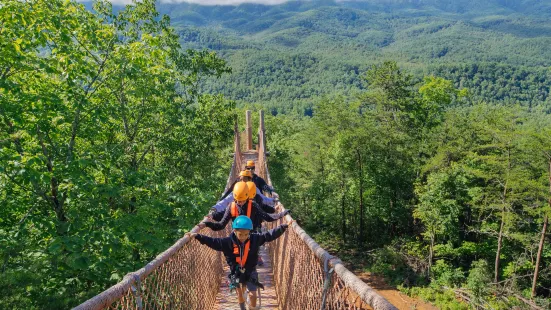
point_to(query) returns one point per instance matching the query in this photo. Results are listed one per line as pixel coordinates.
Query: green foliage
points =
(441, 202)
(426, 182)
(443, 299)
(102, 132)
(445, 275)
(478, 279)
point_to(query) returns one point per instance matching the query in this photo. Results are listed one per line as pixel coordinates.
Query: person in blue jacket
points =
(242, 205)
(241, 252)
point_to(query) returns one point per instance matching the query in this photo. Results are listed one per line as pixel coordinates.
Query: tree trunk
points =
(54, 185)
(343, 211)
(538, 259)
(58, 204)
(431, 254)
(360, 177)
(390, 211)
(499, 245)
(542, 241)
(503, 211)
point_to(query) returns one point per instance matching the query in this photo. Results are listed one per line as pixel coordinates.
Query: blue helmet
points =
(242, 222)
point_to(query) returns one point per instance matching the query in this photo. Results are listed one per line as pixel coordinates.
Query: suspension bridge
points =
(298, 274)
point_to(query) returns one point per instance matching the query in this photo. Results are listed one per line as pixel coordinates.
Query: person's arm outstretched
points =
(273, 234)
(221, 205)
(216, 244)
(223, 222)
(265, 200)
(268, 209)
(270, 217)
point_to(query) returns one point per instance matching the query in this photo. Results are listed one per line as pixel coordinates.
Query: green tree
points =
(442, 201)
(102, 132)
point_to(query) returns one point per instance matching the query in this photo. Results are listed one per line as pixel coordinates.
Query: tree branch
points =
(144, 153)
(138, 119)
(76, 120)
(5, 73)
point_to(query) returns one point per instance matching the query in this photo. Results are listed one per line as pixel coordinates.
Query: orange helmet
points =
(250, 163)
(246, 173)
(240, 191)
(252, 189)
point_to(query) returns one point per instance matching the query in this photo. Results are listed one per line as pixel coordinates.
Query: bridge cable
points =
(137, 292)
(327, 280)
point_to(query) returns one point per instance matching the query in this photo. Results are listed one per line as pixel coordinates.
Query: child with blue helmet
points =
(241, 252)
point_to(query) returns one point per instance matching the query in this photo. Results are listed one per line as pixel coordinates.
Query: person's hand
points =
(285, 226)
(201, 225)
(275, 196)
(191, 235)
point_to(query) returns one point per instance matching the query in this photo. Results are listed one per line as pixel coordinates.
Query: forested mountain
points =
(285, 56)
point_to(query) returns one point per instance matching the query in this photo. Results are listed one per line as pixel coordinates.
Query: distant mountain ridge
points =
(285, 56)
(541, 8)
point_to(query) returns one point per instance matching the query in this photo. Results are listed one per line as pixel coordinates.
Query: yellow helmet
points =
(246, 173)
(250, 163)
(252, 189)
(240, 191)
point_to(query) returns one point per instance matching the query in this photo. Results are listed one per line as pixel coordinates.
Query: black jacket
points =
(265, 208)
(261, 184)
(257, 216)
(225, 245)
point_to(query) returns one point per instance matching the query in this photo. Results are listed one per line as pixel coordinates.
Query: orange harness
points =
(242, 260)
(235, 211)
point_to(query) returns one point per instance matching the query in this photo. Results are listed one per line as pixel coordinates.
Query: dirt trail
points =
(394, 296)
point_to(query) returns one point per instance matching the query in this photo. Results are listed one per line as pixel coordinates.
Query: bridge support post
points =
(261, 135)
(237, 149)
(261, 144)
(249, 131)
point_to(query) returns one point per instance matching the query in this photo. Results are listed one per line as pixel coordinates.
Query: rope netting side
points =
(186, 276)
(308, 277)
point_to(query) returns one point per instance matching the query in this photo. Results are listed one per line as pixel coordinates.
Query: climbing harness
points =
(235, 210)
(233, 283)
(243, 255)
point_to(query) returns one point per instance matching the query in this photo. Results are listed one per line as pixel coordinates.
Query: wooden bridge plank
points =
(225, 301)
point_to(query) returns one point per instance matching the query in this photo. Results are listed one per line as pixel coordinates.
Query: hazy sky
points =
(218, 2)
(207, 2)
(226, 2)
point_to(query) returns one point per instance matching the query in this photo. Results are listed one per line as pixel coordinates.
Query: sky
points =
(207, 2)
(227, 2)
